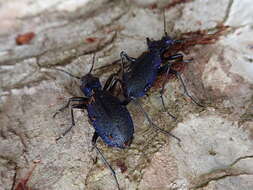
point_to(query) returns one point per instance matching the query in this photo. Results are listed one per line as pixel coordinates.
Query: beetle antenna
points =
(67, 73)
(164, 23)
(93, 62)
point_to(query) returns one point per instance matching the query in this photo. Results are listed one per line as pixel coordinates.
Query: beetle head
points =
(164, 43)
(160, 45)
(89, 84)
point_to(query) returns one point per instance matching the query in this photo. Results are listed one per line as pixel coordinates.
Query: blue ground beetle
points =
(108, 115)
(139, 74)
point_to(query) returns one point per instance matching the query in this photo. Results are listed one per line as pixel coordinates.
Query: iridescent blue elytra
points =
(111, 119)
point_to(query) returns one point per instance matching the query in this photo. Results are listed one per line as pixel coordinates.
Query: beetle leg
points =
(112, 87)
(112, 82)
(153, 124)
(128, 58)
(184, 87)
(74, 106)
(162, 91)
(109, 81)
(94, 140)
(177, 57)
(69, 101)
(124, 57)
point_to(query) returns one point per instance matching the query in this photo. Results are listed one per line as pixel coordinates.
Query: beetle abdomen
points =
(111, 120)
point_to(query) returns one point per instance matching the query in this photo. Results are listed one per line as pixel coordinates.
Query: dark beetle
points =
(138, 76)
(108, 115)
(140, 73)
